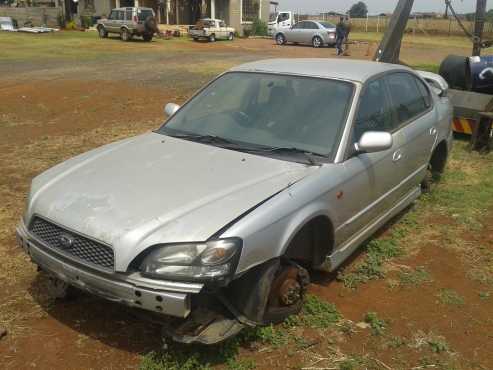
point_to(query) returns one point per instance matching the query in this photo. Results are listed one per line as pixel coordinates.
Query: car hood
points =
(156, 189)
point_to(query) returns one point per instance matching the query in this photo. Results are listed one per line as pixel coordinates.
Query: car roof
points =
(344, 69)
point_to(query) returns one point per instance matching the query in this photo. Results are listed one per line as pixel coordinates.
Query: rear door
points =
(373, 178)
(416, 120)
(295, 34)
(309, 30)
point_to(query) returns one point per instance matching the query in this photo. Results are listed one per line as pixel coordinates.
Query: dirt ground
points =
(58, 102)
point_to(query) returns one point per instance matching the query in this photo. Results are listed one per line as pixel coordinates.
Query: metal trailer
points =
(473, 109)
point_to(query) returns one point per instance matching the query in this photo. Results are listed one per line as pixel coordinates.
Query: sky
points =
(376, 6)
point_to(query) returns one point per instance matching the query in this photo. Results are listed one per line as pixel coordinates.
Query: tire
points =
(280, 39)
(147, 37)
(125, 35)
(102, 32)
(317, 42)
(231, 36)
(212, 38)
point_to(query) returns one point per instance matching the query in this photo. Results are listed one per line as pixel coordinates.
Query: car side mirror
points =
(170, 109)
(374, 141)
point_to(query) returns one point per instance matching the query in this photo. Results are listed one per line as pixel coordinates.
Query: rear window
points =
(407, 100)
(144, 14)
(327, 24)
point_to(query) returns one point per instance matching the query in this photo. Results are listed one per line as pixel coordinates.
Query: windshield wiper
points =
(209, 139)
(306, 154)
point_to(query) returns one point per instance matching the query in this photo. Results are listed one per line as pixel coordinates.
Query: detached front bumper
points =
(168, 298)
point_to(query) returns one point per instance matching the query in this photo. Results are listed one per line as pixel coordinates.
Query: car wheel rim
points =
(280, 40)
(316, 42)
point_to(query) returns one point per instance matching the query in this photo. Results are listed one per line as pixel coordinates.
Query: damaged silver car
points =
(214, 221)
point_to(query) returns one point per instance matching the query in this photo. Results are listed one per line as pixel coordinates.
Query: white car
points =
(212, 30)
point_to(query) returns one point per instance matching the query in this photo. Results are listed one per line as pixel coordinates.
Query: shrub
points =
(259, 27)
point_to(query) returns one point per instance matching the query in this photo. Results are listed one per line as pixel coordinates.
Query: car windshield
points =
(327, 25)
(267, 111)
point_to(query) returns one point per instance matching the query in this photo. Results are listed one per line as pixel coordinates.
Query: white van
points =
(282, 20)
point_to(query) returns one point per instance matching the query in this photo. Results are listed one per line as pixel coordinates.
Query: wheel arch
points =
(311, 240)
(439, 157)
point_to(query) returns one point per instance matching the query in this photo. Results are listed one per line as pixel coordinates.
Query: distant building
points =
(236, 13)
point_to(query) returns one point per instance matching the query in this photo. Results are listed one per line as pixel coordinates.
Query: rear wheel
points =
(280, 39)
(317, 42)
(125, 35)
(147, 37)
(231, 36)
(102, 32)
(212, 38)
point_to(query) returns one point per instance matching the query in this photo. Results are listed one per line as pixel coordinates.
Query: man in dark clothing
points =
(341, 33)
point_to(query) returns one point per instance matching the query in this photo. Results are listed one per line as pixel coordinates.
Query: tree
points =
(358, 10)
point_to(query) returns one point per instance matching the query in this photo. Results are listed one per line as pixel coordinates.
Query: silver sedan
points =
(274, 169)
(314, 33)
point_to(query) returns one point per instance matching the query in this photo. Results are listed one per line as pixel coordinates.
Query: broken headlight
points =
(213, 260)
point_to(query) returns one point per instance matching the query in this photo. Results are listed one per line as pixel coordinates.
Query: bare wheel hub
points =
(290, 292)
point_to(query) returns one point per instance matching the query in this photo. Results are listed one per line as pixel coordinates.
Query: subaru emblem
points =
(66, 241)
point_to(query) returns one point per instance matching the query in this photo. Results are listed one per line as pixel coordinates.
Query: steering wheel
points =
(242, 118)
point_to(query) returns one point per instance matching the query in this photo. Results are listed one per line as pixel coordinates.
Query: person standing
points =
(341, 34)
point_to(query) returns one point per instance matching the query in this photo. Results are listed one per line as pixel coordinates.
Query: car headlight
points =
(212, 260)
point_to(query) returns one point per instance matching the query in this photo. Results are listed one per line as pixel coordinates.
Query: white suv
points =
(129, 22)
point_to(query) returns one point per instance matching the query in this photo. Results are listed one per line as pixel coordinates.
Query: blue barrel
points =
(480, 74)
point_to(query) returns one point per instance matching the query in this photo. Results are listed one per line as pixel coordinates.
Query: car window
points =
(407, 100)
(128, 15)
(113, 15)
(425, 92)
(270, 110)
(143, 14)
(121, 15)
(283, 17)
(299, 26)
(222, 24)
(327, 25)
(374, 113)
(310, 26)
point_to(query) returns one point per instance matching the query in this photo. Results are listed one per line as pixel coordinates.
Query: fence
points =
(38, 16)
(442, 27)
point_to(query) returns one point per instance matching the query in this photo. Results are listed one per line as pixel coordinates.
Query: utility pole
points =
(479, 27)
(390, 47)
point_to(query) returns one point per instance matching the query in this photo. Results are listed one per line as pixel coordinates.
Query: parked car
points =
(314, 33)
(129, 22)
(211, 30)
(273, 170)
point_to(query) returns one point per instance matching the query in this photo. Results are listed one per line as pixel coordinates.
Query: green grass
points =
(316, 313)
(450, 297)
(414, 277)
(377, 325)
(75, 45)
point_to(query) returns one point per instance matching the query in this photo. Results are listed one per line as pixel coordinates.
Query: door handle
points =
(433, 131)
(397, 156)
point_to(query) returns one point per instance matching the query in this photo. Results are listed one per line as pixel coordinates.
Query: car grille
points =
(84, 249)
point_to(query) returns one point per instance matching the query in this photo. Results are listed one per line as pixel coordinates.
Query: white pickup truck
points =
(211, 30)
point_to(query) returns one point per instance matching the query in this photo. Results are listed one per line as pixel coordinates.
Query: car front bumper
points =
(164, 297)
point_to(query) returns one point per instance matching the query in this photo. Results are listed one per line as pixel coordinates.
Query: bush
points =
(86, 21)
(259, 27)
